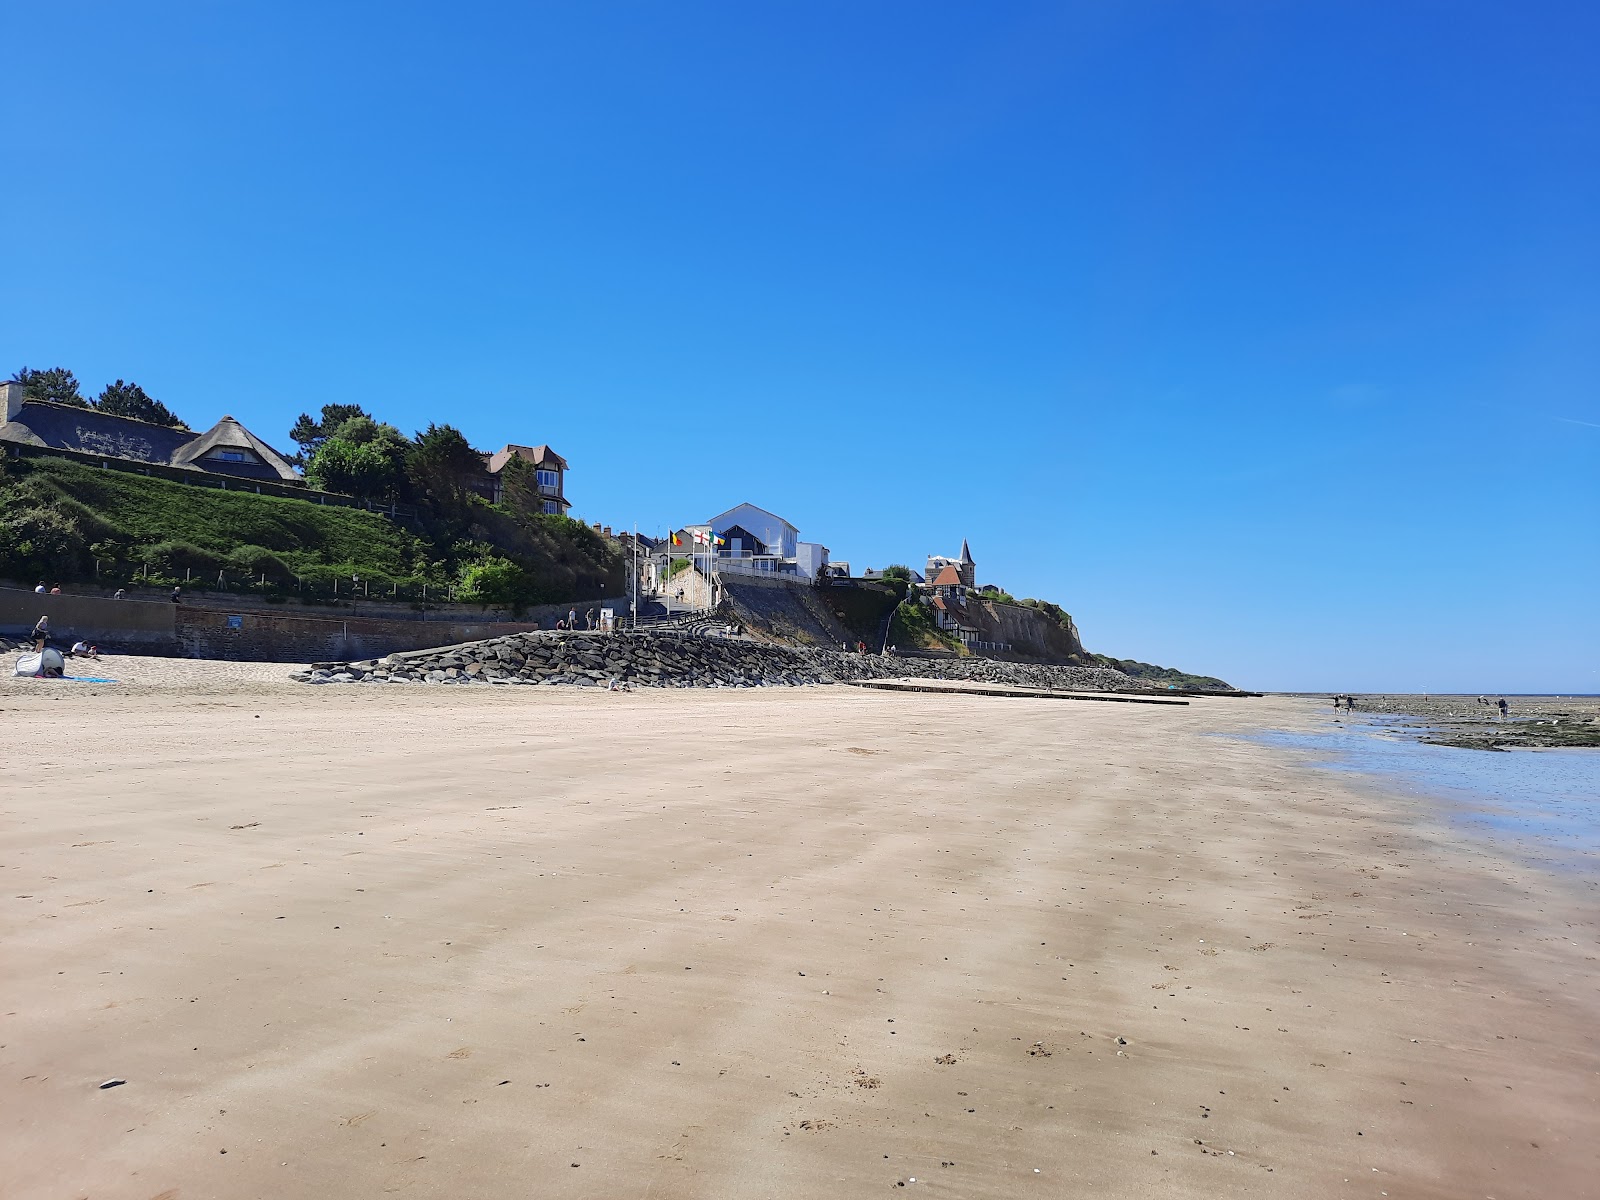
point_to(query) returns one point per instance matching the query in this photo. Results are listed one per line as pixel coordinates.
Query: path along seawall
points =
(669, 659)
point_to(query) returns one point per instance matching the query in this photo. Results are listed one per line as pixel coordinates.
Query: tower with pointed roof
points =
(966, 570)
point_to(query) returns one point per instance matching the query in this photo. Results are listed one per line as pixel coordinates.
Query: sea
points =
(1542, 806)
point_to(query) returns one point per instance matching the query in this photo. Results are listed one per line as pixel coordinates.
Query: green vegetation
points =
(1159, 675)
(55, 384)
(1054, 611)
(130, 400)
(913, 628)
(60, 386)
(678, 564)
(897, 578)
(63, 519)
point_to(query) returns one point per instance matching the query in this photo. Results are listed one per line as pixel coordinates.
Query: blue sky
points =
(1264, 337)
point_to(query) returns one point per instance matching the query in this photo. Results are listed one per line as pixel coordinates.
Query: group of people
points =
(41, 641)
(571, 621)
(1500, 704)
(1342, 701)
(42, 590)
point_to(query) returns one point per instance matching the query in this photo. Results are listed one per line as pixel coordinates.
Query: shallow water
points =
(1543, 805)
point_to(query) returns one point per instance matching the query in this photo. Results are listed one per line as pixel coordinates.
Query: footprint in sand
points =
(463, 1052)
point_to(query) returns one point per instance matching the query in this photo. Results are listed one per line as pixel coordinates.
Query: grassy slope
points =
(58, 516)
(912, 628)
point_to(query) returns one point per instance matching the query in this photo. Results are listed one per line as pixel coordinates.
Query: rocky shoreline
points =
(680, 660)
(1532, 722)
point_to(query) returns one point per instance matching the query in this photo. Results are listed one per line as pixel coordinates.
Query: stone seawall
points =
(683, 660)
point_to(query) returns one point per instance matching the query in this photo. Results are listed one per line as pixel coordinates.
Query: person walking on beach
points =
(1336, 702)
(1502, 706)
(572, 618)
(588, 619)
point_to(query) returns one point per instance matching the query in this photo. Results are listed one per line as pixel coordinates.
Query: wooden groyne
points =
(1024, 693)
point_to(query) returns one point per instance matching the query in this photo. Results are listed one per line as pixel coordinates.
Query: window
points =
(549, 478)
(232, 456)
(550, 506)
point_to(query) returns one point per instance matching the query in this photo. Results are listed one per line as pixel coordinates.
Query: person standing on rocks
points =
(572, 618)
(1503, 707)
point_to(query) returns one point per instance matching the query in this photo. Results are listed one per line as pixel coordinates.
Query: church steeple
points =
(968, 569)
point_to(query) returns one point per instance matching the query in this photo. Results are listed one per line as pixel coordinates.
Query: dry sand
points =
(353, 942)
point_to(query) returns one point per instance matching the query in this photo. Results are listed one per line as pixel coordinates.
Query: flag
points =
(720, 541)
(702, 538)
(676, 540)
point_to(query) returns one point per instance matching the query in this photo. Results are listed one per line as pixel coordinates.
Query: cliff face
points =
(797, 614)
(1032, 635)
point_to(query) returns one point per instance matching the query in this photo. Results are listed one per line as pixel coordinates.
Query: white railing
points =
(753, 566)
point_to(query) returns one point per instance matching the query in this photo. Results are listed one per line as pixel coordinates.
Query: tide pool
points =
(1543, 805)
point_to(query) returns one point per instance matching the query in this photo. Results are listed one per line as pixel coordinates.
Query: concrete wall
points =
(138, 625)
(161, 627)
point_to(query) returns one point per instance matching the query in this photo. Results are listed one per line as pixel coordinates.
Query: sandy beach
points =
(442, 942)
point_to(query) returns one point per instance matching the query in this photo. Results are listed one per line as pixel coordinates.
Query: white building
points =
(753, 541)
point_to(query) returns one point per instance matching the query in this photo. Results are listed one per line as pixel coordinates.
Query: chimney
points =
(11, 397)
(607, 531)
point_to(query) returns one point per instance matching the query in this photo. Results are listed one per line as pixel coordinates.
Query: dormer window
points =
(233, 456)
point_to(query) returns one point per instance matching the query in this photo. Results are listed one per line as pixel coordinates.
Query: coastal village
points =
(745, 568)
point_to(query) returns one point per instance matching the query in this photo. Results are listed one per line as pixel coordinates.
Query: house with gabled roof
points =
(752, 541)
(550, 473)
(964, 566)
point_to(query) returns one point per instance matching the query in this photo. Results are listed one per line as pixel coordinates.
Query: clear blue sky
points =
(1264, 337)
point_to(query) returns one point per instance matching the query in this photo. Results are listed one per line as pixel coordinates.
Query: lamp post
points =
(355, 581)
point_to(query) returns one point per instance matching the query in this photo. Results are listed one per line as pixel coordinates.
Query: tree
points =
(897, 571)
(309, 434)
(355, 469)
(443, 465)
(57, 385)
(519, 488)
(130, 400)
(500, 582)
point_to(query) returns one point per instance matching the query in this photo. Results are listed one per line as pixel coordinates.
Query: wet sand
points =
(350, 941)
